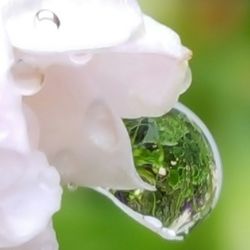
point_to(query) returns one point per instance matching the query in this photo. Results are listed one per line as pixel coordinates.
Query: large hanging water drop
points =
(178, 155)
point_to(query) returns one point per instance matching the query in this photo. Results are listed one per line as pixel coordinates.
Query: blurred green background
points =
(218, 32)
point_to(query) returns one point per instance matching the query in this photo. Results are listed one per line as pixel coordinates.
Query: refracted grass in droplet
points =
(172, 153)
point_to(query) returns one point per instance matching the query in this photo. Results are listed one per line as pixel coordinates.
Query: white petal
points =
(44, 241)
(30, 194)
(32, 126)
(5, 50)
(13, 133)
(144, 77)
(81, 136)
(71, 24)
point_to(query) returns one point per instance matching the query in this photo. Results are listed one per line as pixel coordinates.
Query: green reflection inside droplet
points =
(172, 153)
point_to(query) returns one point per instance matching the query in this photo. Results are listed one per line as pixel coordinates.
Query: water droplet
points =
(80, 58)
(72, 187)
(27, 79)
(184, 196)
(46, 19)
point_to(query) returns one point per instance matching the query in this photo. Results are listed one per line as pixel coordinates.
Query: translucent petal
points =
(143, 77)
(188, 188)
(30, 194)
(136, 85)
(63, 25)
(80, 134)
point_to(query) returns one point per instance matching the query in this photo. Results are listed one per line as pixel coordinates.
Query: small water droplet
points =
(27, 79)
(72, 187)
(188, 187)
(47, 19)
(80, 58)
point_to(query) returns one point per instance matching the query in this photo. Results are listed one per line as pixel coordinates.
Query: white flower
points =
(76, 68)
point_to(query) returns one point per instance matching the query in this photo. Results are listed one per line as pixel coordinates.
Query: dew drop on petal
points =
(28, 80)
(178, 155)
